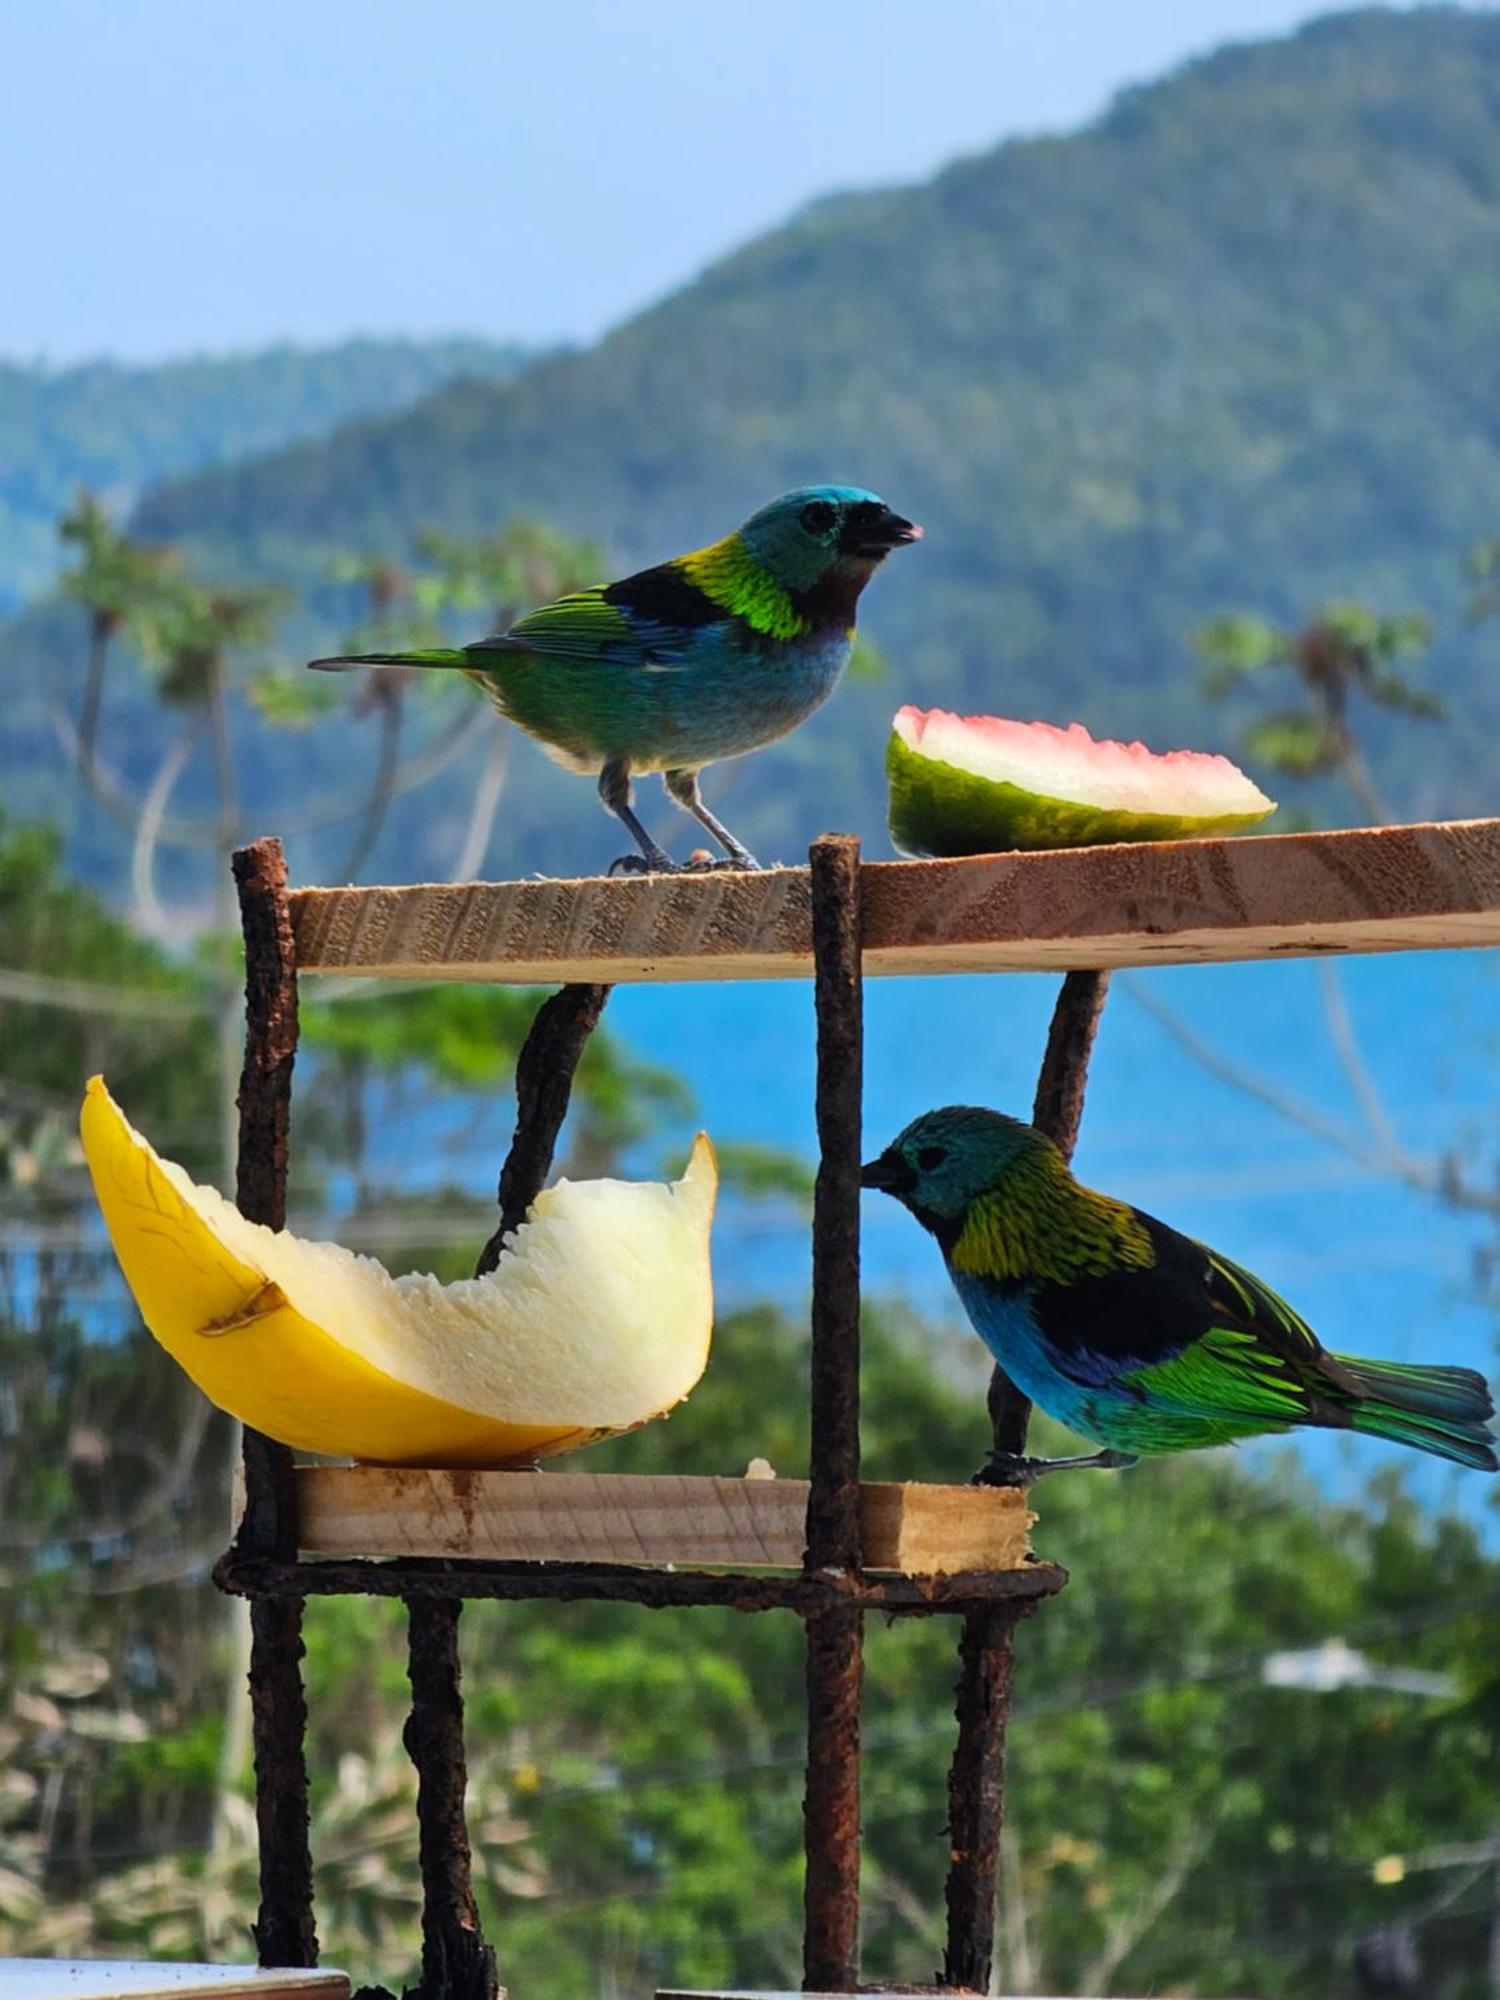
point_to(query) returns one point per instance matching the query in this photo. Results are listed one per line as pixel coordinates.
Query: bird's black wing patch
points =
(1106, 1330)
(664, 596)
(1101, 1328)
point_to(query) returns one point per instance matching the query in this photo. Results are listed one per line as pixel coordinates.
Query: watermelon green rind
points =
(938, 811)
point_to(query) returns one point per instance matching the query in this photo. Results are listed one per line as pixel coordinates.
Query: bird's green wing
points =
(581, 626)
(647, 620)
(1252, 1358)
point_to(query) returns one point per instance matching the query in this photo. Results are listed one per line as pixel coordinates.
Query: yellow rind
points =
(255, 1355)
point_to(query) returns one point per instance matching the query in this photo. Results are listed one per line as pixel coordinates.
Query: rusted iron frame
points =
(285, 1929)
(983, 1697)
(831, 1595)
(835, 1637)
(457, 1964)
(890, 1595)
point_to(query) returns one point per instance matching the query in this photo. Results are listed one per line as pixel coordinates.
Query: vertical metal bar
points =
(835, 1661)
(457, 1964)
(976, 1799)
(285, 1931)
(549, 1057)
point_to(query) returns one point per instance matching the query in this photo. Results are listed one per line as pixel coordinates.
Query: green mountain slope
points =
(1237, 345)
(118, 429)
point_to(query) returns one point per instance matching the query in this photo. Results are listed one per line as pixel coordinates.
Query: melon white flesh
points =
(979, 784)
(597, 1318)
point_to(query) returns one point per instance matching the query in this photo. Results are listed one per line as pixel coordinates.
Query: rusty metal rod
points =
(545, 1069)
(982, 1703)
(285, 1930)
(652, 1589)
(835, 1638)
(457, 1964)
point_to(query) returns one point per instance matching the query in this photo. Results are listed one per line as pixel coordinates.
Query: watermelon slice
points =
(978, 784)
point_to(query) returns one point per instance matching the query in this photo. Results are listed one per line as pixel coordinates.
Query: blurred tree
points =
(1345, 650)
(637, 1778)
(115, 579)
(1483, 567)
(492, 580)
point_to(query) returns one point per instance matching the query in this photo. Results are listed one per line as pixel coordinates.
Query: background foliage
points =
(1218, 371)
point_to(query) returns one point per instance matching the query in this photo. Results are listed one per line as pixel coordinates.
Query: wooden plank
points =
(365, 1510)
(1401, 888)
(128, 1979)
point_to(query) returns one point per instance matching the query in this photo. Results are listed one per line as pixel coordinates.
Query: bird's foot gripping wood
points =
(700, 863)
(1005, 1468)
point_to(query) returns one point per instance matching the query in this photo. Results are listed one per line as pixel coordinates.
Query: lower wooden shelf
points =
(658, 1521)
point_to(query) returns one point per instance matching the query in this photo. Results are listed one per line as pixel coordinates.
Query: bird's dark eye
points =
(817, 517)
(930, 1157)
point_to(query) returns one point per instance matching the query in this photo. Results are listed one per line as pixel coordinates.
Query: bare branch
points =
(1127, 1930)
(482, 814)
(1429, 1176)
(1351, 1059)
(149, 912)
(114, 794)
(387, 695)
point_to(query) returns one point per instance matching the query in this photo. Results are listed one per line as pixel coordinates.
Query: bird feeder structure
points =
(828, 1550)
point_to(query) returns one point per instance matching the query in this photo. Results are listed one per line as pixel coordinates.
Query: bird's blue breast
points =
(1003, 1317)
(729, 691)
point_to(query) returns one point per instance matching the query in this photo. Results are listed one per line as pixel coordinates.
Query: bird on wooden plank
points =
(704, 657)
(1131, 1334)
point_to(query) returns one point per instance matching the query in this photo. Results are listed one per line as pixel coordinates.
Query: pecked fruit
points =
(978, 784)
(597, 1319)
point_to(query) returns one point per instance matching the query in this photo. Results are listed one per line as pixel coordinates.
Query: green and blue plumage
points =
(1133, 1334)
(704, 657)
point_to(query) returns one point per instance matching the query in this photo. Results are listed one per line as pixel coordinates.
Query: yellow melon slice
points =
(597, 1319)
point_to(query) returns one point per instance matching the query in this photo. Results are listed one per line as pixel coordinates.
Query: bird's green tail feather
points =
(1442, 1410)
(430, 656)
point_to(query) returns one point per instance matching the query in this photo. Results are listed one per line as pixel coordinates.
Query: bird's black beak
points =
(875, 534)
(890, 1174)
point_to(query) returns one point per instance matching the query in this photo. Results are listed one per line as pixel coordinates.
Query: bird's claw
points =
(637, 864)
(701, 863)
(1004, 1468)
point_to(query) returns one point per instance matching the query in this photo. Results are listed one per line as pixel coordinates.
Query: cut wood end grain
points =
(1366, 889)
(641, 1521)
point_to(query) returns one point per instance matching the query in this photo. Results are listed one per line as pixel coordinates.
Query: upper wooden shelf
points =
(1398, 888)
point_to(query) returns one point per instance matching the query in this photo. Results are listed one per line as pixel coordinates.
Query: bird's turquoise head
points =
(945, 1160)
(806, 535)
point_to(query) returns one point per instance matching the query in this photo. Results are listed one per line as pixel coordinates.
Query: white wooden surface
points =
(129, 1979)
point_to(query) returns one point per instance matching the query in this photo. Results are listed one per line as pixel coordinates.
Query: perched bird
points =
(1131, 1334)
(704, 657)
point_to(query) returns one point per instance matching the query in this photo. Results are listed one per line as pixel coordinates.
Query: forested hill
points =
(1235, 344)
(118, 429)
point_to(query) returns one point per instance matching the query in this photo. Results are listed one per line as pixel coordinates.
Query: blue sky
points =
(184, 175)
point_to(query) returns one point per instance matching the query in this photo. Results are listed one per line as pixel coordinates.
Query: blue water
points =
(1376, 1266)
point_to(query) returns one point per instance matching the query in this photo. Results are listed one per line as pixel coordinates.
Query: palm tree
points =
(115, 579)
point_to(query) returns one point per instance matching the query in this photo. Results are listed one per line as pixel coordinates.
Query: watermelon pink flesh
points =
(981, 784)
